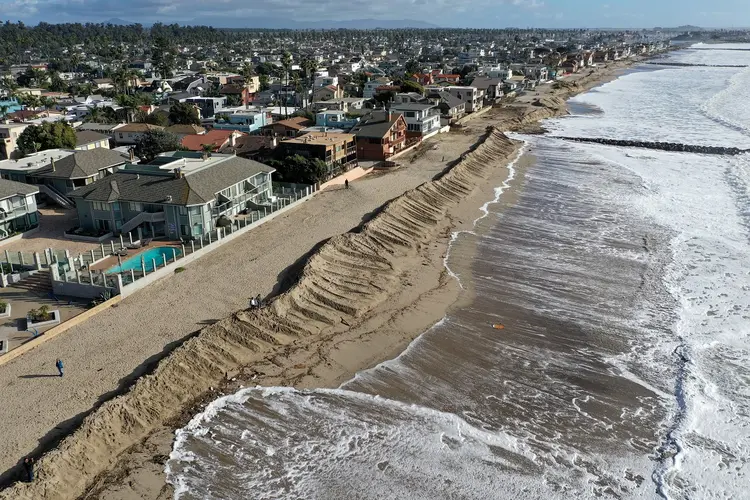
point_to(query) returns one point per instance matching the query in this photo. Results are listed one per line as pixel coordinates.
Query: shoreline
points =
(422, 289)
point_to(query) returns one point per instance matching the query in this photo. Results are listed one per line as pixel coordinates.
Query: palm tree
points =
(310, 66)
(4, 111)
(207, 149)
(94, 115)
(286, 62)
(248, 72)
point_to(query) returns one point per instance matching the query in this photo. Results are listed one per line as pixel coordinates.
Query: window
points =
(197, 229)
(103, 224)
(182, 210)
(410, 114)
(195, 211)
(136, 207)
(98, 205)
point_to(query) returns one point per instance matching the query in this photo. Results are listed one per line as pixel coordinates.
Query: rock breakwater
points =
(663, 146)
(340, 284)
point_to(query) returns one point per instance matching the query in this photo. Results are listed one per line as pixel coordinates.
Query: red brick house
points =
(380, 135)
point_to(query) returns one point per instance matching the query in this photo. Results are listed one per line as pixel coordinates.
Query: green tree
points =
(48, 135)
(265, 82)
(297, 168)
(163, 55)
(409, 86)
(159, 118)
(154, 142)
(183, 113)
(384, 97)
(412, 67)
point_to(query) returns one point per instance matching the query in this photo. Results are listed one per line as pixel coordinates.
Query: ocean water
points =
(621, 278)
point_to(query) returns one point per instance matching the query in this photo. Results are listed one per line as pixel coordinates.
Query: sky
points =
(448, 13)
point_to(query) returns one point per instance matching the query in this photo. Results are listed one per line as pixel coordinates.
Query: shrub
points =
(179, 270)
(3, 306)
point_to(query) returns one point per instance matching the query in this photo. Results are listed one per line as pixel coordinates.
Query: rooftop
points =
(81, 164)
(320, 138)
(34, 161)
(177, 178)
(411, 106)
(13, 188)
(216, 137)
(88, 136)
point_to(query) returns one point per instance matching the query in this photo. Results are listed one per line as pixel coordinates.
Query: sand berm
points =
(346, 278)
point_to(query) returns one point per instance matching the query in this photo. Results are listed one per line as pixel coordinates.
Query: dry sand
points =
(387, 278)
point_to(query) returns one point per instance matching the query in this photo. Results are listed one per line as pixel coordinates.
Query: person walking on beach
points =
(258, 302)
(346, 183)
(253, 303)
(59, 366)
(28, 465)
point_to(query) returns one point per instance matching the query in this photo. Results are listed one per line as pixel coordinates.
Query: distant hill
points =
(682, 28)
(116, 21)
(281, 23)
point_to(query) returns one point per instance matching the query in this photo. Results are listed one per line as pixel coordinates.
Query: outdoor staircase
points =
(39, 283)
(56, 195)
(140, 219)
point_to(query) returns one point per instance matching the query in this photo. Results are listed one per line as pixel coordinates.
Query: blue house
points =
(243, 121)
(335, 119)
(12, 104)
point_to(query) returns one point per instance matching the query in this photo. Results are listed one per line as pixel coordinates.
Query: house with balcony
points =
(208, 106)
(422, 120)
(473, 96)
(492, 87)
(178, 195)
(338, 151)
(451, 107)
(380, 135)
(18, 211)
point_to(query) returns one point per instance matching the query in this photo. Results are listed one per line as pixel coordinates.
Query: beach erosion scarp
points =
(348, 277)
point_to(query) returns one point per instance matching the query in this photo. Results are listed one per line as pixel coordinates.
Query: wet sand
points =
(418, 296)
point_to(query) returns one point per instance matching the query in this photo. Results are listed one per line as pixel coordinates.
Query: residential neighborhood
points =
(187, 136)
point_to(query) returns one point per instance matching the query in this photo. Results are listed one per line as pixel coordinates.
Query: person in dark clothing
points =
(346, 183)
(59, 366)
(258, 302)
(28, 465)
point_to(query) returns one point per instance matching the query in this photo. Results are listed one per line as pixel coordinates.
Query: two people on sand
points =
(255, 302)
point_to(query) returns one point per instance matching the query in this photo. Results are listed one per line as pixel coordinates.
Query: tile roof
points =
(82, 164)
(13, 188)
(196, 188)
(89, 136)
(216, 137)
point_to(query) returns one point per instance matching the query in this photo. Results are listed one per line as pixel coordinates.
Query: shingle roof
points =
(297, 122)
(139, 127)
(375, 125)
(13, 188)
(89, 136)
(484, 82)
(196, 188)
(185, 129)
(82, 164)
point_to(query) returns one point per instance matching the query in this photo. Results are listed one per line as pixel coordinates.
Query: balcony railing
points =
(241, 199)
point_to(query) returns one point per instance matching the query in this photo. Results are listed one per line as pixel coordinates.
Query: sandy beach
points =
(352, 282)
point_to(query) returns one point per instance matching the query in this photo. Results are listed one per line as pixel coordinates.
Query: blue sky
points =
(458, 13)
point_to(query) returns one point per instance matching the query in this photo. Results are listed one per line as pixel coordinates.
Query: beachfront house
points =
(422, 120)
(178, 195)
(18, 212)
(380, 135)
(338, 151)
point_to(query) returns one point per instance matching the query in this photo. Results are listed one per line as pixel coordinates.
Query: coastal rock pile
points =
(663, 146)
(701, 65)
(349, 276)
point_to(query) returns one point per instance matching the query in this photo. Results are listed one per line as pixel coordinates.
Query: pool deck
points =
(112, 261)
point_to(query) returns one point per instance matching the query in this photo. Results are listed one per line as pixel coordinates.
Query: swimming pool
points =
(152, 254)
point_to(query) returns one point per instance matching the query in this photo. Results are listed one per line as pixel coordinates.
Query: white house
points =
(473, 97)
(422, 120)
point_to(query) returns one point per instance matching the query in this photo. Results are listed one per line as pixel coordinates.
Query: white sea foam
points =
(485, 211)
(687, 359)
